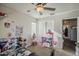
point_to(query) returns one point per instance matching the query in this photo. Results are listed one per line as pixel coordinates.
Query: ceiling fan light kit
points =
(41, 7)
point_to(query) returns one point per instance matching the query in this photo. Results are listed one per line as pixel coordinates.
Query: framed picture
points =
(19, 30)
(7, 25)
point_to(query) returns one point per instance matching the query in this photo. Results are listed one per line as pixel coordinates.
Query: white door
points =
(77, 47)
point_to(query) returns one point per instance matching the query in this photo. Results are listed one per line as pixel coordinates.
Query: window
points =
(44, 26)
(33, 28)
(49, 25)
(41, 28)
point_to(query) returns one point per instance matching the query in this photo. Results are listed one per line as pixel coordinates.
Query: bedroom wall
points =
(19, 19)
(26, 20)
(57, 19)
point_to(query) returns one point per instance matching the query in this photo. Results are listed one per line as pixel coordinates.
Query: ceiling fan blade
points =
(44, 4)
(33, 3)
(48, 8)
(41, 4)
(38, 4)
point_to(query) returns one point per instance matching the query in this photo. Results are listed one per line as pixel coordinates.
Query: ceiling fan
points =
(40, 7)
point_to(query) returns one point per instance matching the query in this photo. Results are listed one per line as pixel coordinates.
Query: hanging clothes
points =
(66, 32)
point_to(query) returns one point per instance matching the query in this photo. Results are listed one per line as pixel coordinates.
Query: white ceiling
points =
(60, 7)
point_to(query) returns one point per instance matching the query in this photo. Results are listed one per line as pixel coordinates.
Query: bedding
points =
(13, 49)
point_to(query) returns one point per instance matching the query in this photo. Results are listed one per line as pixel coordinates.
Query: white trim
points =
(65, 12)
(61, 13)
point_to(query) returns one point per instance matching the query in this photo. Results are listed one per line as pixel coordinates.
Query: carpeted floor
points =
(43, 51)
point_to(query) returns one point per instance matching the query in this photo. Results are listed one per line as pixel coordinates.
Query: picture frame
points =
(7, 25)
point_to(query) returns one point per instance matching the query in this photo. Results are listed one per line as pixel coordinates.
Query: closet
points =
(69, 30)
